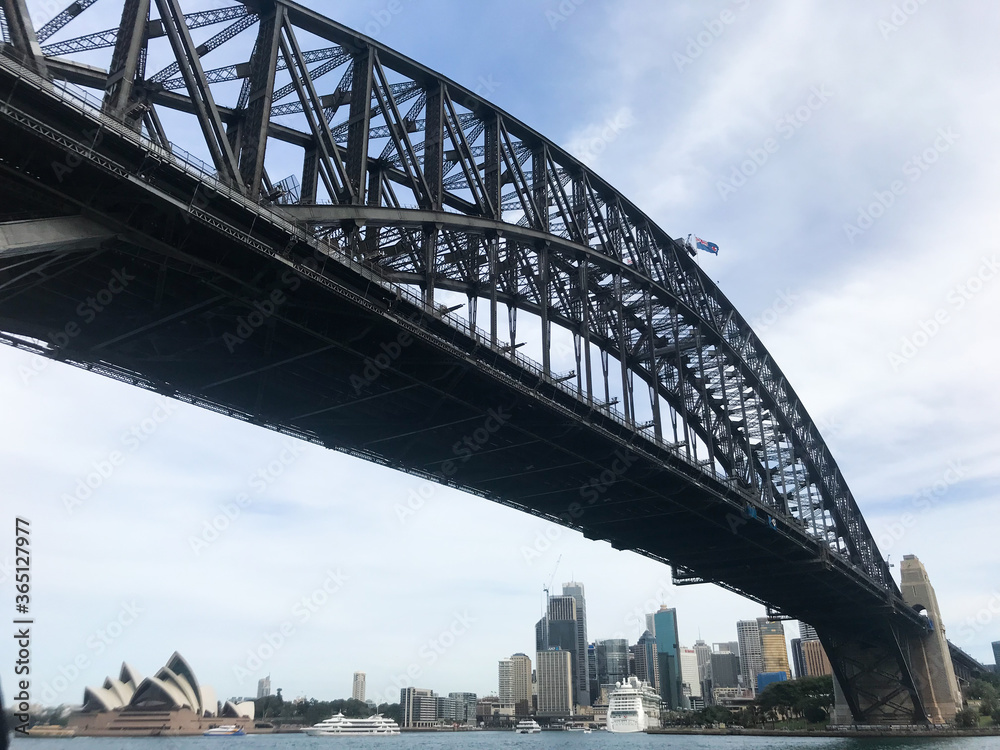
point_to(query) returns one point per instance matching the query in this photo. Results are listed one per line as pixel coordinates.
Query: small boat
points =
(338, 725)
(527, 726)
(226, 730)
(585, 730)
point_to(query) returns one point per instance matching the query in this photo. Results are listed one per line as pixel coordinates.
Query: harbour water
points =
(509, 741)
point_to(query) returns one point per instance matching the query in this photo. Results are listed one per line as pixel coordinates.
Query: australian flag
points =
(708, 247)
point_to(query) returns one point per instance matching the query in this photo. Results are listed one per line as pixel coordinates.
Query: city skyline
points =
(282, 555)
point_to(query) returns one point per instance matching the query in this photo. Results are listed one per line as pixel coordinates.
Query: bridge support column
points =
(930, 657)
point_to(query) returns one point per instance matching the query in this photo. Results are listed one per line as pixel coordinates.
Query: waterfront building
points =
(595, 685)
(612, 660)
(515, 680)
(555, 682)
(419, 706)
(668, 658)
(581, 674)
(172, 701)
(264, 687)
(466, 709)
(774, 649)
(358, 686)
(815, 659)
(750, 650)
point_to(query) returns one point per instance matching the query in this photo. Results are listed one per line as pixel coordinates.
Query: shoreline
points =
(860, 733)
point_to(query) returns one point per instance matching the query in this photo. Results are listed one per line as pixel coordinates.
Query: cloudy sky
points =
(843, 156)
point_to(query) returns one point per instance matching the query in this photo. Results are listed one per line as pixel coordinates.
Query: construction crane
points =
(552, 577)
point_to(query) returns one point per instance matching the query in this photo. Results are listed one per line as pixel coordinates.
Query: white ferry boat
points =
(527, 726)
(633, 706)
(339, 725)
(226, 730)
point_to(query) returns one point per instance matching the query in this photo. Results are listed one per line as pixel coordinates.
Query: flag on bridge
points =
(708, 247)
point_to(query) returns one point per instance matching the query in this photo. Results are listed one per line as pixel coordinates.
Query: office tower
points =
(542, 633)
(358, 688)
(506, 682)
(690, 683)
(595, 685)
(646, 667)
(555, 682)
(704, 652)
(581, 674)
(651, 623)
(798, 661)
(996, 654)
(264, 687)
(668, 657)
(515, 679)
(419, 705)
(773, 647)
(807, 632)
(727, 647)
(751, 651)
(612, 660)
(815, 660)
(725, 670)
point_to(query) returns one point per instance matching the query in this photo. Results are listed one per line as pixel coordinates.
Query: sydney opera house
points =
(172, 702)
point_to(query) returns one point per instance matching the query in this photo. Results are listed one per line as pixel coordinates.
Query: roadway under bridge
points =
(435, 287)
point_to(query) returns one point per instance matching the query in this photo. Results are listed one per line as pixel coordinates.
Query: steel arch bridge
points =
(308, 277)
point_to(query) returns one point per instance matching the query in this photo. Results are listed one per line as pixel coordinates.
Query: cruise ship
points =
(339, 725)
(633, 706)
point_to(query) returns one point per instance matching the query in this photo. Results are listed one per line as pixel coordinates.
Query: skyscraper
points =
(668, 657)
(555, 682)
(612, 661)
(996, 654)
(807, 632)
(264, 687)
(690, 683)
(773, 647)
(815, 660)
(358, 688)
(751, 651)
(646, 667)
(798, 661)
(704, 652)
(515, 679)
(581, 673)
(725, 669)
